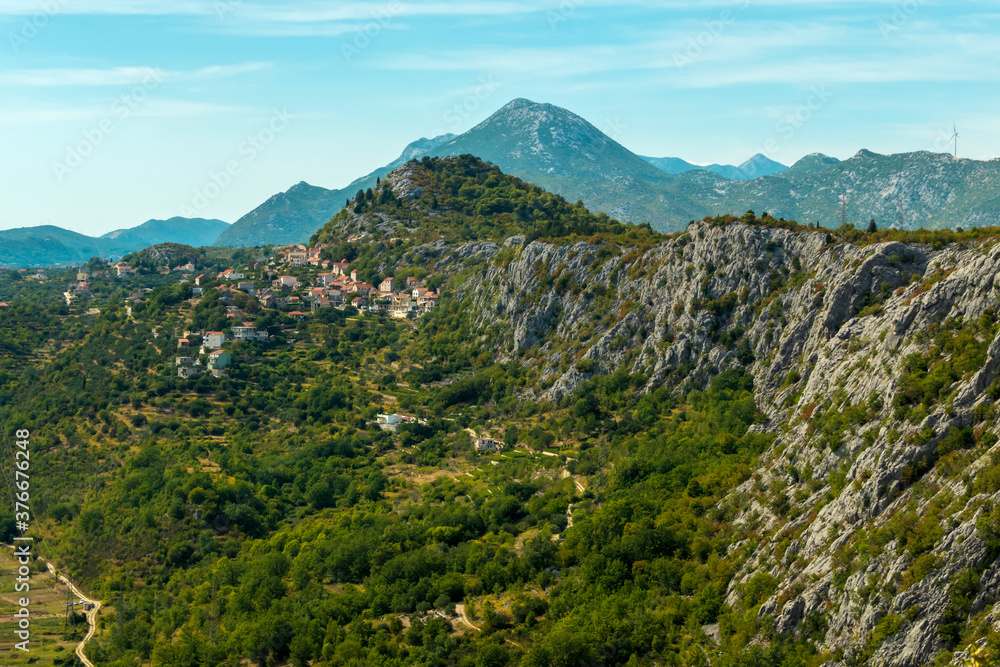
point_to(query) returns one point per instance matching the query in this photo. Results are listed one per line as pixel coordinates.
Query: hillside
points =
(192, 231)
(293, 216)
(757, 166)
(933, 190)
(749, 443)
(48, 245)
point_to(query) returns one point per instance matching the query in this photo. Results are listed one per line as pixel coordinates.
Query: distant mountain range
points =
(757, 166)
(562, 152)
(48, 245)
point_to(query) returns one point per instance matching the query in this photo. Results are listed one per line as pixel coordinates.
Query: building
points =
(81, 277)
(230, 274)
(219, 360)
(197, 281)
(124, 269)
(186, 367)
(197, 291)
(4, 305)
(286, 282)
(387, 285)
(402, 308)
(214, 339)
(321, 302)
(486, 445)
(326, 279)
(250, 334)
(185, 267)
(390, 422)
(296, 315)
(183, 342)
(246, 286)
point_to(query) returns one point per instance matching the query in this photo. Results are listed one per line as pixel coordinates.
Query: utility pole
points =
(843, 210)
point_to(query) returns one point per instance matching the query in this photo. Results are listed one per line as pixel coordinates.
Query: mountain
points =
(295, 215)
(747, 443)
(757, 166)
(47, 245)
(192, 231)
(933, 190)
(562, 152)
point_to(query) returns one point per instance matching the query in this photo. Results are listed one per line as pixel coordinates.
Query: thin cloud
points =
(118, 76)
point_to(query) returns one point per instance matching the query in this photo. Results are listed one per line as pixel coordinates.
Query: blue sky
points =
(116, 111)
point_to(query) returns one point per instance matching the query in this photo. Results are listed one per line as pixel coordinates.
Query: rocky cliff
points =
(865, 510)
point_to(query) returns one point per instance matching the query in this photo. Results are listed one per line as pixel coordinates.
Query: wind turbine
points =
(954, 137)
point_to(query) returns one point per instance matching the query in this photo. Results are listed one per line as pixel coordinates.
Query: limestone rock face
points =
(823, 328)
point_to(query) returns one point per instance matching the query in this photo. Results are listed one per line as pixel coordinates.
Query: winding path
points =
(460, 609)
(91, 615)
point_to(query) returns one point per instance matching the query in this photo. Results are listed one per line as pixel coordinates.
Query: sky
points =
(113, 112)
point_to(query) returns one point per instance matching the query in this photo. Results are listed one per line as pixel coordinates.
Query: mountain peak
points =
(864, 153)
(518, 103)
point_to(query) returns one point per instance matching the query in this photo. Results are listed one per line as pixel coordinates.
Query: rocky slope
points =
(871, 520)
(822, 345)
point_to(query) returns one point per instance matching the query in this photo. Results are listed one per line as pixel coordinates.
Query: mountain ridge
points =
(562, 152)
(49, 245)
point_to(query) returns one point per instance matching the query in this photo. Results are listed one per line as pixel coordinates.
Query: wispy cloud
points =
(150, 109)
(117, 76)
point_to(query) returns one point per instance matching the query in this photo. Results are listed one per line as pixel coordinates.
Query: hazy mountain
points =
(48, 245)
(934, 190)
(757, 166)
(192, 231)
(562, 152)
(295, 215)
